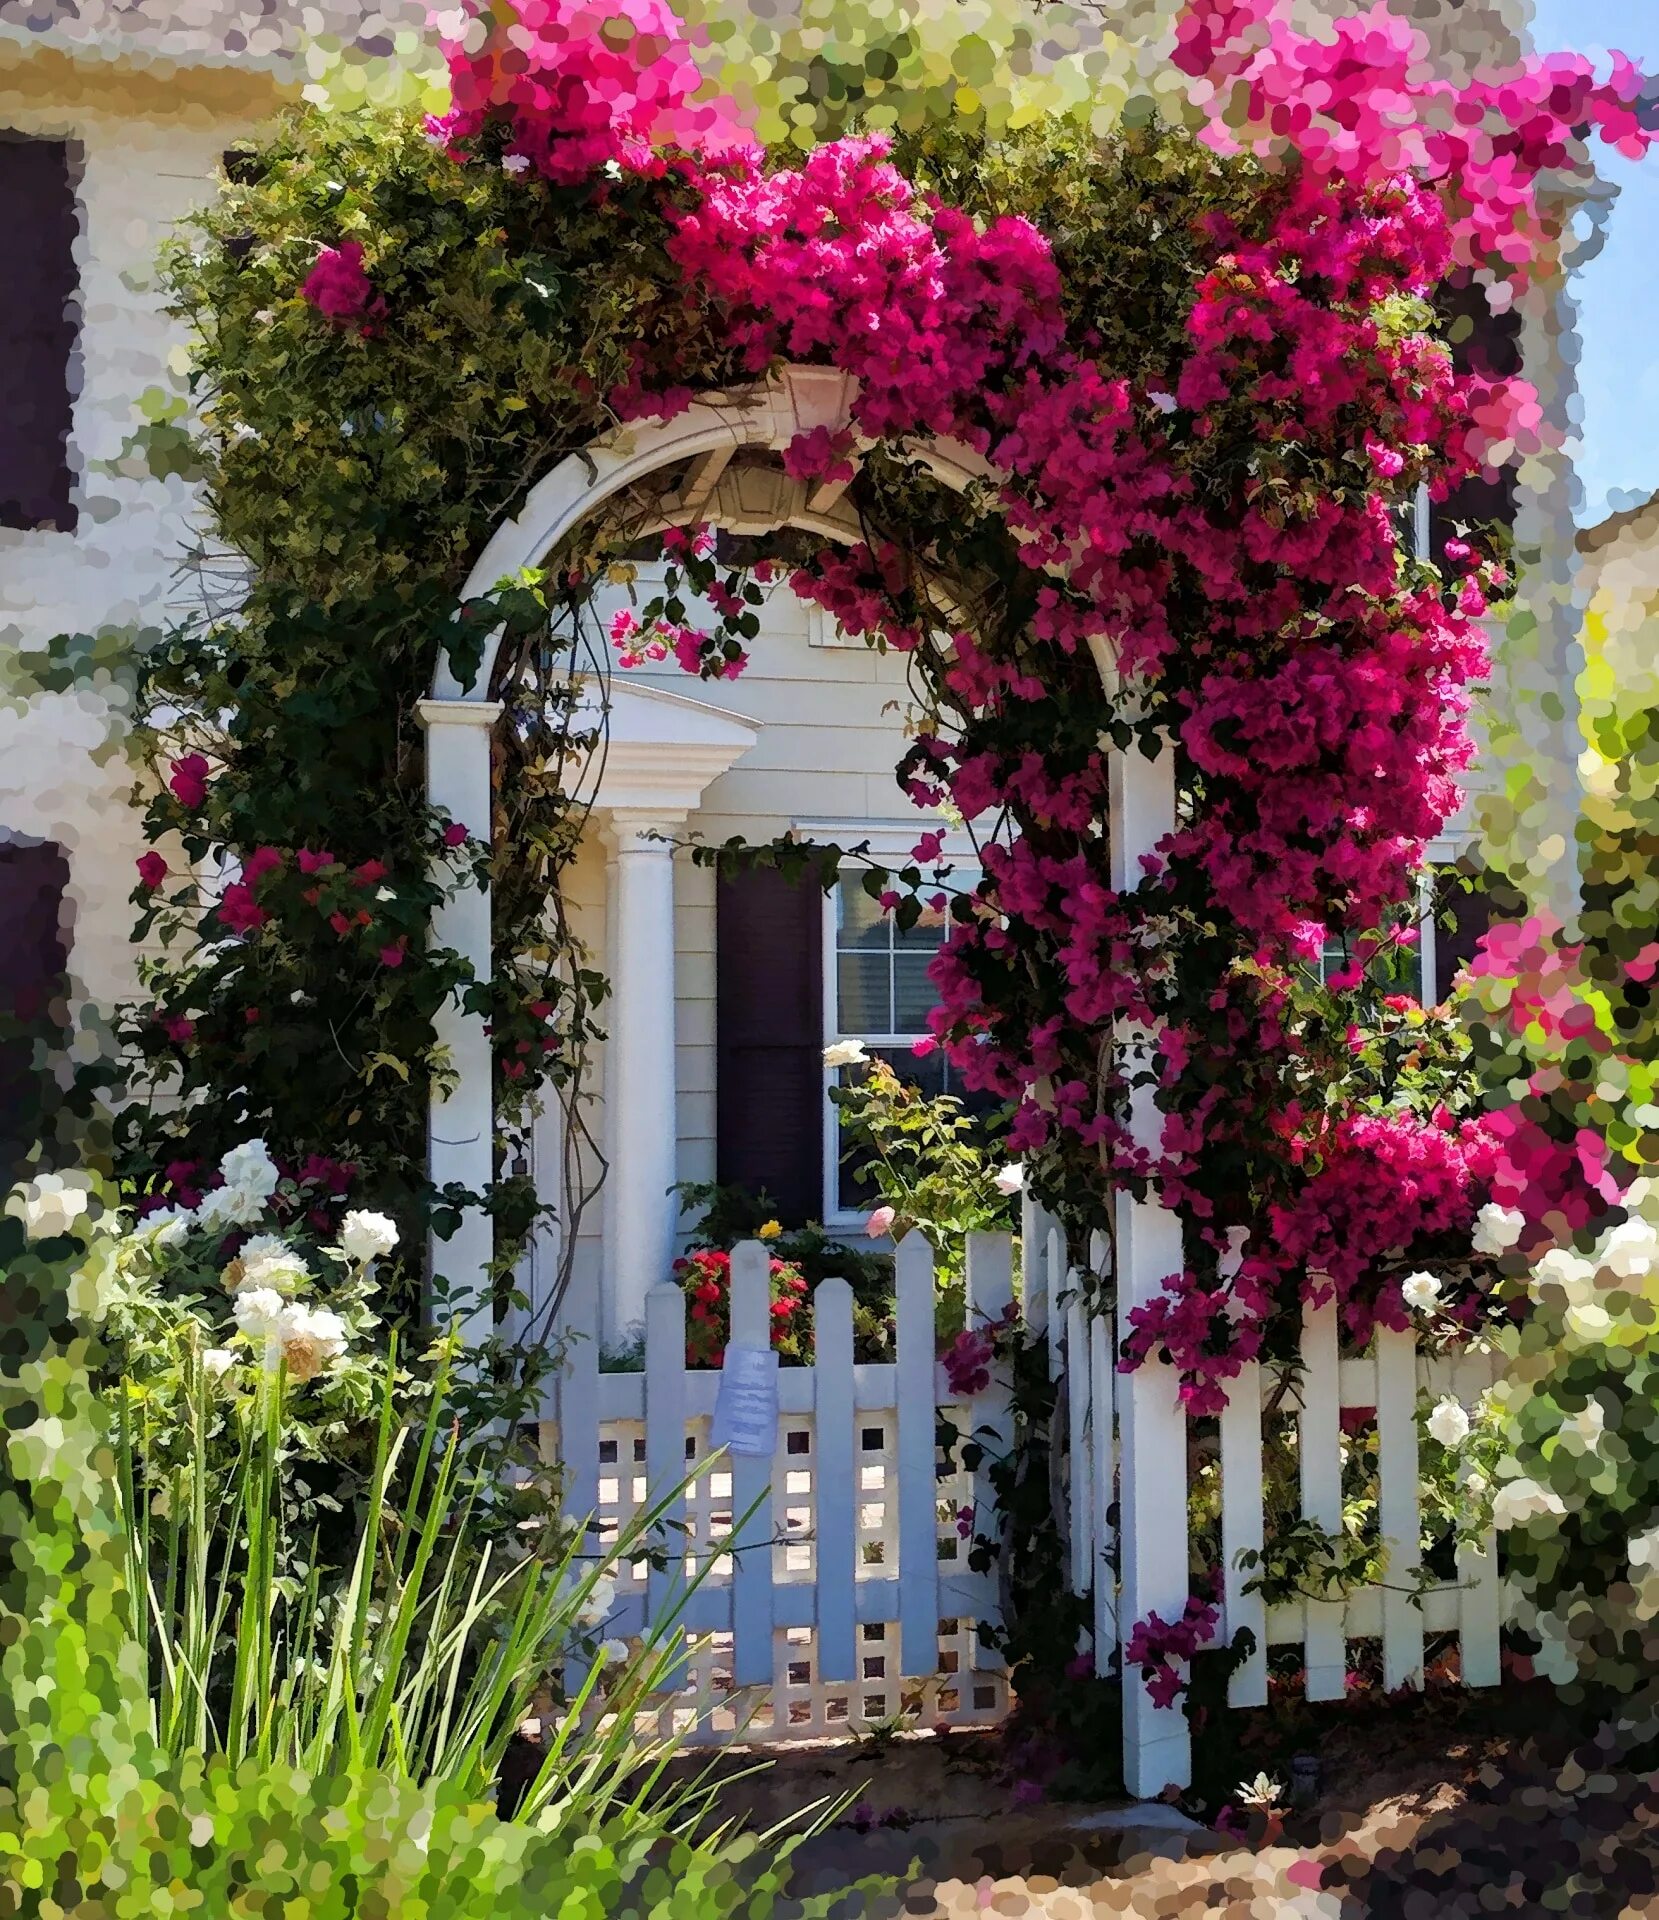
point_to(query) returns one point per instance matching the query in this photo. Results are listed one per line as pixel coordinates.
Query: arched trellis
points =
(1151, 1427)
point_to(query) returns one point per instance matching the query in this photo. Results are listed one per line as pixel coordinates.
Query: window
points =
(1427, 970)
(877, 991)
(34, 882)
(38, 227)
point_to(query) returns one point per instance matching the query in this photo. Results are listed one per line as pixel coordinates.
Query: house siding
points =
(63, 777)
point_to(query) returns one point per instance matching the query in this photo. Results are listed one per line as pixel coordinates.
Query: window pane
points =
(863, 1001)
(860, 921)
(914, 993)
(927, 933)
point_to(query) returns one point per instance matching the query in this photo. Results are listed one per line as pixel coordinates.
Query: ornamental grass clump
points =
(196, 1721)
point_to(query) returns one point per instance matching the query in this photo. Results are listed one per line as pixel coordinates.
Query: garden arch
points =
(458, 720)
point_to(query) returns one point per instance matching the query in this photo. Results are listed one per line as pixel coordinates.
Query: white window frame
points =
(890, 842)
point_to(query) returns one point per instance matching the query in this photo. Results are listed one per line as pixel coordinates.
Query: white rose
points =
(1516, 1501)
(267, 1261)
(258, 1312)
(49, 1205)
(596, 1608)
(1449, 1423)
(365, 1236)
(217, 1362)
(845, 1053)
(251, 1168)
(230, 1206)
(1010, 1180)
(1497, 1228)
(1644, 1549)
(309, 1339)
(1589, 1424)
(1589, 1322)
(166, 1227)
(1631, 1250)
(1420, 1290)
(1561, 1267)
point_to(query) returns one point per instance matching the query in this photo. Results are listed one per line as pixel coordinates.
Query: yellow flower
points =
(771, 1230)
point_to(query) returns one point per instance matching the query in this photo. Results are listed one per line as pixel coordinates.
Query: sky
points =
(1617, 292)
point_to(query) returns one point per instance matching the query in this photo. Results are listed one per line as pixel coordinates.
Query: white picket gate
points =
(846, 1601)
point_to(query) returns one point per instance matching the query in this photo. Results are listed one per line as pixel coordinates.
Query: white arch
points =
(767, 416)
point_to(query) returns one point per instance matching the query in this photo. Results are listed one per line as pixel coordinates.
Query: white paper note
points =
(746, 1405)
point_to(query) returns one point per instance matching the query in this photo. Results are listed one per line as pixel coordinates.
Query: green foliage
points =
(331, 1772)
(932, 1162)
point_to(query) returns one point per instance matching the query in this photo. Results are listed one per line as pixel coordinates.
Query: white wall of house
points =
(148, 152)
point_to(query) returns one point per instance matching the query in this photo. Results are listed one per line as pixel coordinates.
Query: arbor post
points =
(1152, 1474)
(461, 1120)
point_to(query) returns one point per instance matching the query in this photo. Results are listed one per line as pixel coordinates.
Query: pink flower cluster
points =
(339, 286)
(583, 84)
(1154, 1645)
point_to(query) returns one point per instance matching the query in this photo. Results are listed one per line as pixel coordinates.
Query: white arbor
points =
(704, 441)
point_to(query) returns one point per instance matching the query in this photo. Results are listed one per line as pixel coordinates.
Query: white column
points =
(641, 1121)
(461, 1123)
(1152, 1424)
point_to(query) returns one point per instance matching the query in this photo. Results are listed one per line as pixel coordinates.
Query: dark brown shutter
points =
(769, 1039)
(33, 957)
(1470, 913)
(38, 302)
(1486, 343)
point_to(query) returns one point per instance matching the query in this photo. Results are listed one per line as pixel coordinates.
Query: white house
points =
(112, 122)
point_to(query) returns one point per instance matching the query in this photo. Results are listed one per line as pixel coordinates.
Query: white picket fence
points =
(846, 1601)
(1387, 1380)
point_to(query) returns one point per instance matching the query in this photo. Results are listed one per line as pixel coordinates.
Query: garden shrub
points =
(269, 1755)
(1566, 1032)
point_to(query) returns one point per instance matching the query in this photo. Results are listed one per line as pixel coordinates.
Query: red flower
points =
(455, 835)
(392, 956)
(341, 924)
(188, 780)
(178, 1027)
(512, 1070)
(261, 861)
(369, 872)
(152, 870)
(239, 910)
(310, 862)
(251, 1016)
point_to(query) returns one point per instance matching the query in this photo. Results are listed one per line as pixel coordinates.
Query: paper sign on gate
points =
(746, 1405)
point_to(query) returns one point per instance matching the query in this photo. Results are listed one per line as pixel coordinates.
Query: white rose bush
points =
(1576, 1497)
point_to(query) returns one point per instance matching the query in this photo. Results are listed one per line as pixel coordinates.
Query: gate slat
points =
(1397, 1506)
(917, 1454)
(665, 1463)
(1320, 1429)
(834, 1481)
(990, 1291)
(1078, 1395)
(752, 1649)
(1242, 1527)
(1103, 1477)
(1479, 1615)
